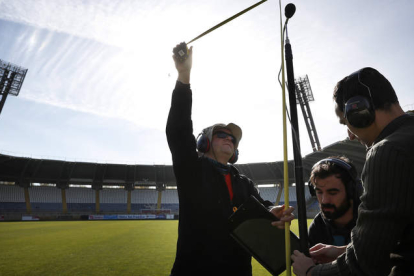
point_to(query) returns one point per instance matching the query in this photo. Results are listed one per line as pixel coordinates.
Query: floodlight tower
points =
(303, 96)
(11, 80)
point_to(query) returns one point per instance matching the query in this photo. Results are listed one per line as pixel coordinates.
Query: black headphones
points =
(203, 145)
(360, 110)
(353, 187)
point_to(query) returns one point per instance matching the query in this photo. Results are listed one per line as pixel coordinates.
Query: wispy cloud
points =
(83, 74)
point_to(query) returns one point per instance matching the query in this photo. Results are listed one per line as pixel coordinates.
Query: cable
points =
(287, 111)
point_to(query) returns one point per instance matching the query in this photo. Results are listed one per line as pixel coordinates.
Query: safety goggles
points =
(224, 135)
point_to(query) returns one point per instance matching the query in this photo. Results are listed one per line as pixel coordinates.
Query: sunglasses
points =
(224, 135)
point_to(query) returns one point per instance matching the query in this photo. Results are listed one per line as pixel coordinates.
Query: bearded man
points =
(334, 182)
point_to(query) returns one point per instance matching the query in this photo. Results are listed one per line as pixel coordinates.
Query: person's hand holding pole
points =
(302, 265)
(283, 215)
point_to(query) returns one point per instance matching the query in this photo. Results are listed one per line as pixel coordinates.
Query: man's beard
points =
(338, 212)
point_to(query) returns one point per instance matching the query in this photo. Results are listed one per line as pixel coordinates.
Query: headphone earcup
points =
(311, 189)
(359, 112)
(203, 143)
(234, 157)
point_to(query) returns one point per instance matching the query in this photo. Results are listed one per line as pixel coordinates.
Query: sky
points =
(100, 73)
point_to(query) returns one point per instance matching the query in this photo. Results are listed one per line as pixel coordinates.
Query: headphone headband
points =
(358, 73)
(351, 188)
(337, 161)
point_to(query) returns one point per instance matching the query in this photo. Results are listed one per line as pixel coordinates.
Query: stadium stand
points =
(11, 193)
(112, 196)
(169, 197)
(12, 199)
(144, 199)
(312, 207)
(113, 200)
(23, 170)
(270, 193)
(138, 181)
(80, 195)
(141, 196)
(45, 195)
(169, 200)
(80, 200)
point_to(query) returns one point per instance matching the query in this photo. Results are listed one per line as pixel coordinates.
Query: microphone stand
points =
(300, 186)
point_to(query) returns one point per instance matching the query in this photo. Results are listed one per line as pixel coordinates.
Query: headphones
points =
(359, 110)
(203, 145)
(353, 187)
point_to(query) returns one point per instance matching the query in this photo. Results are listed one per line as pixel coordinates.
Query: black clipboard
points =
(251, 226)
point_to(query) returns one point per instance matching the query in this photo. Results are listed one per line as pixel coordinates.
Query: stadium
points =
(99, 88)
(142, 198)
(61, 190)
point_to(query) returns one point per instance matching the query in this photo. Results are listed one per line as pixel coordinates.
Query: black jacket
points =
(204, 246)
(323, 231)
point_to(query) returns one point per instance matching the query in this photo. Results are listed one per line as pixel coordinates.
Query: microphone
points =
(290, 10)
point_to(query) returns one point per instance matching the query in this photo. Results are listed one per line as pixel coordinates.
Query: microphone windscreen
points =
(290, 10)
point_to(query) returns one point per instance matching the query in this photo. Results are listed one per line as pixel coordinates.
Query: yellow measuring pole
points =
(285, 156)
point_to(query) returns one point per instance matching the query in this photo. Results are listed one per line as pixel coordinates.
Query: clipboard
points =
(251, 227)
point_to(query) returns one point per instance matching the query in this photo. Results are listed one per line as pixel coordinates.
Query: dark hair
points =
(382, 92)
(326, 169)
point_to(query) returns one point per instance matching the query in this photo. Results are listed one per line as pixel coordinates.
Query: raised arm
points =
(179, 124)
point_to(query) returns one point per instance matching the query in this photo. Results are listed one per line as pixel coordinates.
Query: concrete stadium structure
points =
(143, 186)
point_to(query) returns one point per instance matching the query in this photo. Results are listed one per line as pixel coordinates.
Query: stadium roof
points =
(24, 170)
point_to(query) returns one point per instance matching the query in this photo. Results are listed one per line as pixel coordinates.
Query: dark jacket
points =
(323, 231)
(204, 246)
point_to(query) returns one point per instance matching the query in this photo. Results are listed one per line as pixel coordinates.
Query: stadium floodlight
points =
(304, 95)
(303, 90)
(11, 80)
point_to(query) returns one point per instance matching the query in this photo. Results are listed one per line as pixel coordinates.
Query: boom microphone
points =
(290, 10)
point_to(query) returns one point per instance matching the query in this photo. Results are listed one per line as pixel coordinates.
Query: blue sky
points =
(101, 75)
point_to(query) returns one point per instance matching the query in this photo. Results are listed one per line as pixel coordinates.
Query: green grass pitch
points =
(144, 248)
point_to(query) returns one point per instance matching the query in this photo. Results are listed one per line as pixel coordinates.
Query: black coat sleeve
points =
(179, 128)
